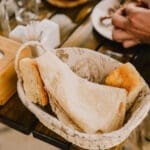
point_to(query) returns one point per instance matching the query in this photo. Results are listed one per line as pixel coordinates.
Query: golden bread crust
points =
(127, 77)
(32, 82)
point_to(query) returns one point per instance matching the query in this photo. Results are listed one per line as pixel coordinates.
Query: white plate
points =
(101, 10)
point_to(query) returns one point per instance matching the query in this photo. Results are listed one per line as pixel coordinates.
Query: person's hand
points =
(131, 25)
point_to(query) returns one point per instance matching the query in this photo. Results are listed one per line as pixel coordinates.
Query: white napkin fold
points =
(46, 32)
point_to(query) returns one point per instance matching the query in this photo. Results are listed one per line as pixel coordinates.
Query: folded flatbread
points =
(92, 107)
(35, 91)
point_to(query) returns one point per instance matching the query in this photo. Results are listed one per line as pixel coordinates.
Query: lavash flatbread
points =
(93, 107)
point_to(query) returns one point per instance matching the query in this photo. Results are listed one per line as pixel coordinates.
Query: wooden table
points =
(77, 31)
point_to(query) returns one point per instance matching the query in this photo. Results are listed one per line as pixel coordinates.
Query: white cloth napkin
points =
(46, 32)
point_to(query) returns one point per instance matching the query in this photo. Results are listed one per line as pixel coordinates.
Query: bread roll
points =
(127, 77)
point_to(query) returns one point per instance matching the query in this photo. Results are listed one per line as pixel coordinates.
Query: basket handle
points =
(21, 49)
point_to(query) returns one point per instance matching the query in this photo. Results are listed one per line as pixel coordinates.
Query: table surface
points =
(77, 31)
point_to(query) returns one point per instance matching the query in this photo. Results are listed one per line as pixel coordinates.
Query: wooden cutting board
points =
(8, 77)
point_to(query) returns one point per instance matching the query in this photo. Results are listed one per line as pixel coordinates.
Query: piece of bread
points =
(92, 107)
(61, 114)
(127, 77)
(32, 82)
(34, 89)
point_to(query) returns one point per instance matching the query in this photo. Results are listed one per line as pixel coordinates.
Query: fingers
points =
(127, 39)
(121, 35)
(119, 21)
(130, 43)
(124, 21)
(133, 8)
(127, 25)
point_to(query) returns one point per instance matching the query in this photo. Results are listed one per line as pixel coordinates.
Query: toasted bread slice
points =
(32, 82)
(127, 77)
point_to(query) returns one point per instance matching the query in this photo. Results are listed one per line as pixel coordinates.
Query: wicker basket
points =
(73, 56)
